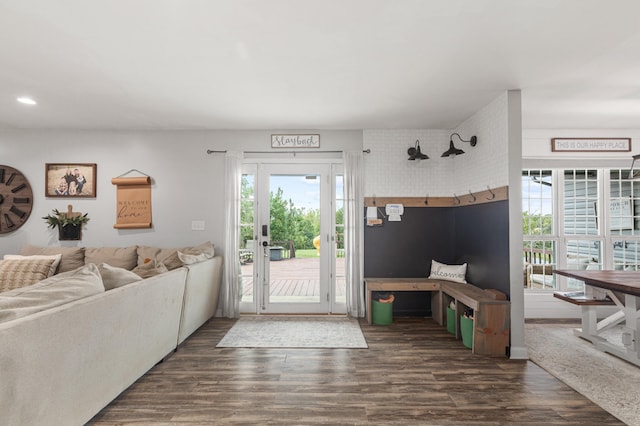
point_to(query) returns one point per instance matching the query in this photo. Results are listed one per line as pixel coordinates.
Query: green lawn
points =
(306, 253)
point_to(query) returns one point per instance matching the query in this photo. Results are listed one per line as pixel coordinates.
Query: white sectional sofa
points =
(62, 365)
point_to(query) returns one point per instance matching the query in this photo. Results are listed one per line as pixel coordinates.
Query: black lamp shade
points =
(416, 154)
(452, 151)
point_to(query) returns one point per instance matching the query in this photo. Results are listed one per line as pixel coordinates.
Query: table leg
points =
(630, 331)
(589, 322)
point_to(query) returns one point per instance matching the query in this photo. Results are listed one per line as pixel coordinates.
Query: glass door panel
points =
(247, 252)
(295, 249)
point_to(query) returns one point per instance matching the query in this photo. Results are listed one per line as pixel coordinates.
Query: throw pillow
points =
(455, 273)
(197, 254)
(121, 257)
(51, 292)
(54, 266)
(168, 256)
(114, 277)
(17, 273)
(72, 257)
(151, 268)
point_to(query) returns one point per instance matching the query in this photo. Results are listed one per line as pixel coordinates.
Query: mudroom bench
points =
(491, 315)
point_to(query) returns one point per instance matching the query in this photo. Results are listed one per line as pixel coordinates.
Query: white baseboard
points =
(519, 352)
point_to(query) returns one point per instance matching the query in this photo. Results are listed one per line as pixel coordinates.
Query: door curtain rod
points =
(211, 151)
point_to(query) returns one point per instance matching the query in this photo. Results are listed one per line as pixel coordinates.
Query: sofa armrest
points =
(201, 294)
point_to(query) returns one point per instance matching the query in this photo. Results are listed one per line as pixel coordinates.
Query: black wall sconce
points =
(415, 153)
(453, 151)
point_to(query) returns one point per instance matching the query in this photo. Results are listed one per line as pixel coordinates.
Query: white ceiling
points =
(330, 64)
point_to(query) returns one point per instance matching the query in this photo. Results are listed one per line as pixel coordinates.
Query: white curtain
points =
(354, 231)
(232, 277)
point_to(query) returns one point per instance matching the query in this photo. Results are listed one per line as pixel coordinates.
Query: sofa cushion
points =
(51, 292)
(113, 277)
(72, 257)
(455, 273)
(18, 273)
(54, 266)
(122, 257)
(151, 268)
(167, 256)
(197, 254)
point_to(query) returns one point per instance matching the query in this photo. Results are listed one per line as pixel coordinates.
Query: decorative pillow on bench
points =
(455, 273)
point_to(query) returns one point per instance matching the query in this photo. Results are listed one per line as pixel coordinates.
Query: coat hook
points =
(493, 195)
(374, 199)
(457, 200)
(473, 197)
(426, 200)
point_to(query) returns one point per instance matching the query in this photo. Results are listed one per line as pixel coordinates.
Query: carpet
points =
(608, 381)
(265, 331)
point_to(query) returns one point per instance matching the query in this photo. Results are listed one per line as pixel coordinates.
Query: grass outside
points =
(306, 253)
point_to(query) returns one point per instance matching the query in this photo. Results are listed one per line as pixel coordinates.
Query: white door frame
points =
(327, 300)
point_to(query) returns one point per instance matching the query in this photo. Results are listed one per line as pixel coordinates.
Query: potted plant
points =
(69, 224)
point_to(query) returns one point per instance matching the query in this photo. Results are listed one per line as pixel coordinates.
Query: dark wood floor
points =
(414, 372)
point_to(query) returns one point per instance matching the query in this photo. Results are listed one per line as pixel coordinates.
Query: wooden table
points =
(623, 288)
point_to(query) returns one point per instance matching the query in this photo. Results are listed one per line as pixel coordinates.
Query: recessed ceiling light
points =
(26, 100)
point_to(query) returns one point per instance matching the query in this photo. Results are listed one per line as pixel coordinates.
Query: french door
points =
(292, 257)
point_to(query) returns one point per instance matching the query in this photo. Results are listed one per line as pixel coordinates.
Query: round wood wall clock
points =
(16, 199)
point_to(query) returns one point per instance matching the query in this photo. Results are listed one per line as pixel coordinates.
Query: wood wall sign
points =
(591, 144)
(295, 141)
(133, 202)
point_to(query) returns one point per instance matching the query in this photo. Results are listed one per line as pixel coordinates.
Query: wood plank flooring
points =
(414, 372)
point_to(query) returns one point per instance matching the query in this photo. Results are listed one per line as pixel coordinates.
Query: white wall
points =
(486, 164)
(187, 183)
(389, 173)
(536, 144)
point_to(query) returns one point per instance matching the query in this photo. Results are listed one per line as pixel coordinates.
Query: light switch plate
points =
(197, 225)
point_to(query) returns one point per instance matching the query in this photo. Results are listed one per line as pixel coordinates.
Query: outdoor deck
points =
(297, 278)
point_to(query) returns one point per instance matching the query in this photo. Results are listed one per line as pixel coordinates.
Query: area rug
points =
(608, 381)
(265, 331)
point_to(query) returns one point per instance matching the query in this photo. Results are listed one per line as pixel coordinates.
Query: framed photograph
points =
(70, 180)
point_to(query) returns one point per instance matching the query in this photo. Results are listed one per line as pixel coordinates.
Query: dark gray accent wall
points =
(482, 240)
(476, 234)
(405, 249)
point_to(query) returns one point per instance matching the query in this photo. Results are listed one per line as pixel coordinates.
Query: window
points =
(578, 219)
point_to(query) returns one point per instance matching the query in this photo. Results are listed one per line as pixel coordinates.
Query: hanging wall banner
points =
(133, 202)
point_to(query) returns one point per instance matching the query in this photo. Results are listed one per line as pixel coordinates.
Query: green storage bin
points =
(382, 313)
(451, 320)
(466, 330)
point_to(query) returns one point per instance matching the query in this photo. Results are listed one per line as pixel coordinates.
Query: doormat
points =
(294, 332)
